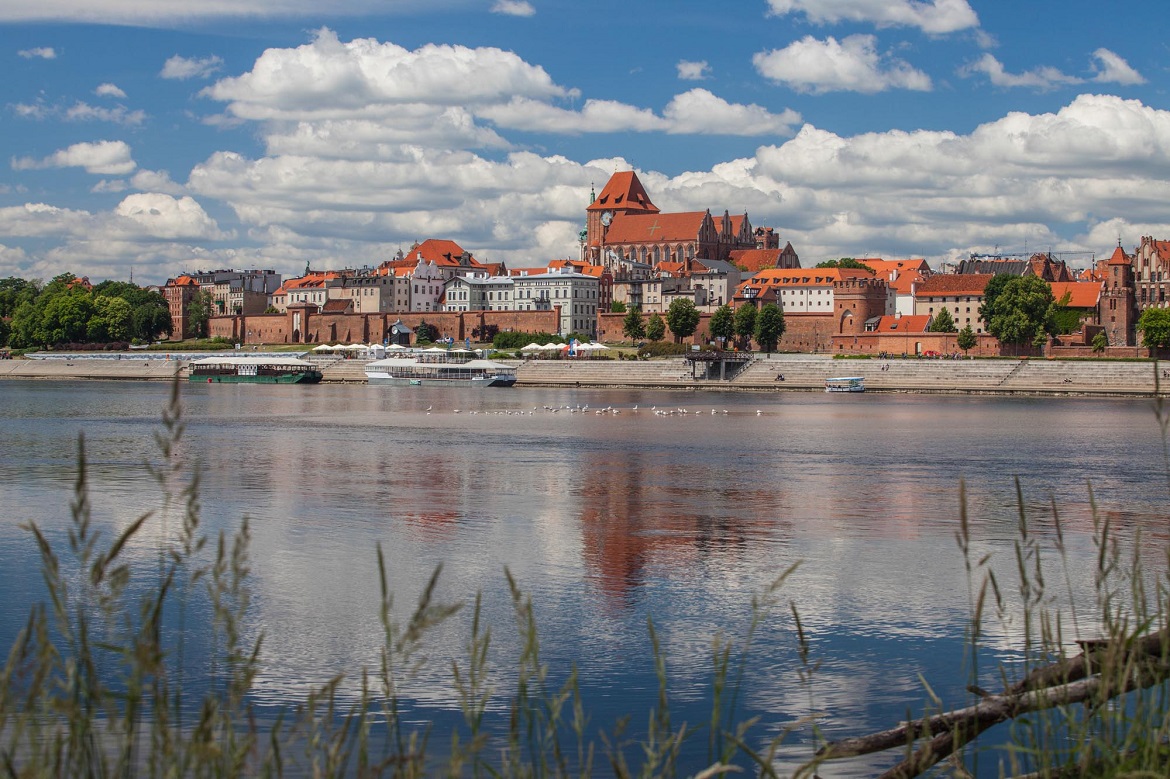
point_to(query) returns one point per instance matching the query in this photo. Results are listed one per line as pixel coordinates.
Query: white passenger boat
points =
(425, 370)
(845, 384)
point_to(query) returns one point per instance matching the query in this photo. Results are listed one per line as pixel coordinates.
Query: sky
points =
(153, 137)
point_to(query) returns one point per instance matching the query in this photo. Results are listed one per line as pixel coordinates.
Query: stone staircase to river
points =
(1005, 376)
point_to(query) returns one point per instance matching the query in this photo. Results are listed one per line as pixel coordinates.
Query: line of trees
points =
(67, 311)
(740, 325)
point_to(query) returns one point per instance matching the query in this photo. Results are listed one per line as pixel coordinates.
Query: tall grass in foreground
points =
(94, 685)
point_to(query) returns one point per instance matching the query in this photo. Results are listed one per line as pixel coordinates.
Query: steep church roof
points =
(624, 192)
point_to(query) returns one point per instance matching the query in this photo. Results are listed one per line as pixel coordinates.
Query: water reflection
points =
(606, 520)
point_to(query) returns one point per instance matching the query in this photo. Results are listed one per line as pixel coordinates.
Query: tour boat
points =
(426, 370)
(845, 384)
(254, 370)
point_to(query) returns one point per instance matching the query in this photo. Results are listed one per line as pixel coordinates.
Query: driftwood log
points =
(1103, 670)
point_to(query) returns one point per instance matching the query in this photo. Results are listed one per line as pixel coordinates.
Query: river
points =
(608, 507)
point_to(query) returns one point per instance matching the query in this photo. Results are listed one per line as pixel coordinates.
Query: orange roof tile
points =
(1119, 257)
(1081, 294)
(625, 192)
(912, 323)
(676, 269)
(954, 284)
(755, 259)
(655, 227)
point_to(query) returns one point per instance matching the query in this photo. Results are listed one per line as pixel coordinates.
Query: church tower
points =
(622, 194)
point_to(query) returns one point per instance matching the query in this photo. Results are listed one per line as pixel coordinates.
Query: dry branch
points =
(1104, 670)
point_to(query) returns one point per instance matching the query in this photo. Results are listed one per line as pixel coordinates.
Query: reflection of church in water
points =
(628, 234)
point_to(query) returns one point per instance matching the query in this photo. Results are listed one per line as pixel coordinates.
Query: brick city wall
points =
(918, 343)
(366, 328)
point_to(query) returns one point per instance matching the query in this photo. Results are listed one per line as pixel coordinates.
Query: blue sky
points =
(160, 136)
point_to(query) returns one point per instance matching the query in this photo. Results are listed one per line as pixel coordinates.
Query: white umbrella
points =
(598, 346)
(534, 347)
(323, 348)
(396, 348)
(551, 347)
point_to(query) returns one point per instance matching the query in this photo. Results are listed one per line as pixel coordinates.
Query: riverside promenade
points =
(802, 372)
(777, 373)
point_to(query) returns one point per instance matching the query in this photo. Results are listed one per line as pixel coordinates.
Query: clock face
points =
(606, 217)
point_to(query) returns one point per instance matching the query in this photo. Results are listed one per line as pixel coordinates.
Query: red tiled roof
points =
(676, 269)
(439, 251)
(755, 259)
(625, 192)
(1119, 257)
(1082, 294)
(655, 227)
(337, 305)
(954, 284)
(912, 323)
(774, 278)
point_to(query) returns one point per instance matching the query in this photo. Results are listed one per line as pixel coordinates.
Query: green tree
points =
(26, 327)
(1100, 342)
(425, 333)
(632, 326)
(682, 318)
(846, 262)
(967, 339)
(1154, 325)
(198, 314)
(1022, 310)
(112, 320)
(5, 331)
(151, 320)
(770, 327)
(66, 317)
(722, 324)
(151, 313)
(991, 293)
(655, 327)
(13, 292)
(745, 324)
(617, 307)
(943, 322)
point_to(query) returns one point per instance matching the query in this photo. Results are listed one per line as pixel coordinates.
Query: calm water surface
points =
(605, 519)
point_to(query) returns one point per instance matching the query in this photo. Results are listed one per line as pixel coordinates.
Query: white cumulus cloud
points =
(40, 52)
(930, 16)
(693, 71)
(182, 68)
(109, 90)
(701, 112)
(103, 158)
(156, 216)
(513, 8)
(852, 64)
(1041, 78)
(364, 78)
(120, 114)
(1112, 69)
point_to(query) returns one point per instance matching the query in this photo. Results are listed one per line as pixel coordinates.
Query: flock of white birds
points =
(585, 409)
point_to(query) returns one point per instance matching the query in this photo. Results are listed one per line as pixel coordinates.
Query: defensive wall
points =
(305, 325)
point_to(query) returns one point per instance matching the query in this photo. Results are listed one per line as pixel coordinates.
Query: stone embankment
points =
(89, 368)
(808, 373)
(778, 372)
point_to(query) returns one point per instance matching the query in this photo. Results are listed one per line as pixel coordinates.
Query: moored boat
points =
(424, 370)
(254, 370)
(845, 384)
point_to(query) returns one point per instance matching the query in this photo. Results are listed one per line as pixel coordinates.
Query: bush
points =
(517, 340)
(663, 349)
